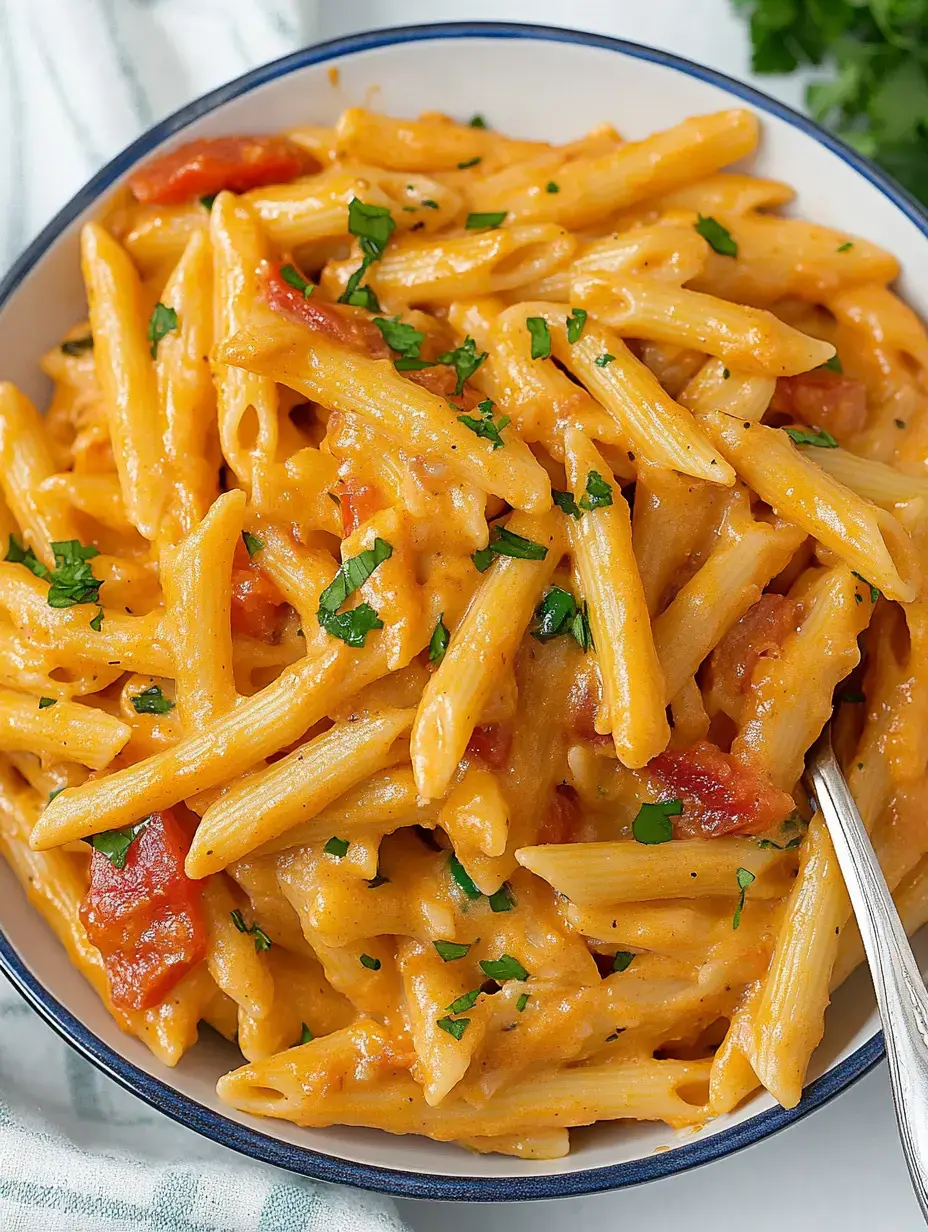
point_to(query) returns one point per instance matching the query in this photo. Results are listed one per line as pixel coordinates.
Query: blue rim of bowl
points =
(260, 1146)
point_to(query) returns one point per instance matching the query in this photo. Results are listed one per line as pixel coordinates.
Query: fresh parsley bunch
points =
(877, 97)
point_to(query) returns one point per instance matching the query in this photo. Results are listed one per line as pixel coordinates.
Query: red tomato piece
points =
(759, 634)
(823, 398)
(205, 167)
(563, 818)
(491, 745)
(343, 325)
(358, 502)
(257, 604)
(719, 795)
(146, 919)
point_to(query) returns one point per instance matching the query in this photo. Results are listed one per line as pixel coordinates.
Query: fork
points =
(900, 990)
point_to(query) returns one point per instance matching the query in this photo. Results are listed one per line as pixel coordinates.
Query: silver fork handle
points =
(900, 989)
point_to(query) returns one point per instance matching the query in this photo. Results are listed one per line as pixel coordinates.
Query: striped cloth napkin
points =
(79, 79)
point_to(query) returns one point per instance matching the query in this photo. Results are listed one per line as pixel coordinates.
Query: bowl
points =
(531, 81)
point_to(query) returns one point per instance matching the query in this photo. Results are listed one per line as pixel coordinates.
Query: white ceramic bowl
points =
(532, 82)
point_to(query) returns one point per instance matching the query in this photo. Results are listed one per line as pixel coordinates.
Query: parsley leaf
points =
(504, 968)
(402, 338)
(77, 346)
(438, 643)
(745, 877)
(604, 360)
(353, 626)
(372, 225)
(372, 964)
(653, 824)
(874, 591)
(541, 337)
(252, 543)
(306, 1036)
(554, 614)
(97, 623)
(598, 492)
(834, 364)
(845, 247)
(622, 960)
(207, 201)
(152, 701)
(464, 360)
(522, 1002)
(337, 847)
(115, 844)
(18, 555)
(72, 579)
(477, 121)
(505, 542)
(580, 629)
(290, 274)
(552, 187)
(485, 222)
(811, 436)
(565, 501)
(163, 321)
(465, 1002)
(484, 426)
(450, 951)
(256, 932)
(454, 1026)
(716, 236)
(45, 702)
(360, 297)
(502, 900)
(576, 323)
(471, 162)
(463, 878)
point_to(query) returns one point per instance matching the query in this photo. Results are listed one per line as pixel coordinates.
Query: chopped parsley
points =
(372, 964)
(152, 701)
(874, 591)
(19, 555)
(565, 501)
(306, 1036)
(451, 951)
(598, 492)
(484, 426)
(845, 247)
(454, 1026)
(503, 968)
(477, 121)
(72, 580)
(726, 373)
(77, 346)
(207, 201)
(471, 162)
(576, 323)
(463, 878)
(505, 542)
(290, 274)
(438, 643)
(769, 845)
(114, 844)
(465, 1002)
(834, 363)
(900, 423)
(604, 360)
(429, 203)
(256, 932)
(622, 960)
(522, 1002)
(464, 360)
(716, 236)
(541, 337)
(56, 792)
(552, 187)
(404, 339)
(744, 877)
(97, 623)
(45, 702)
(502, 900)
(353, 626)
(252, 543)
(337, 847)
(653, 824)
(485, 222)
(372, 225)
(811, 436)
(163, 321)
(559, 614)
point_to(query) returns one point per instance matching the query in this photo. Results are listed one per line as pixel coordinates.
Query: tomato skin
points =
(205, 167)
(358, 503)
(257, 604)
(345, 326)
(146, 919)
(823, 398)
(719, 795)
(563, 819)
(491, 745)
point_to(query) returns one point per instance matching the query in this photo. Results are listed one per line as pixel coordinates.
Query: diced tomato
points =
(205, 167)
(442, 380)
(759, 633)
(341, 324)
(358, 502)
(822, 398)
(719, 795)
(491, 745)
(257, 604)
(563, 818)
(146, 919)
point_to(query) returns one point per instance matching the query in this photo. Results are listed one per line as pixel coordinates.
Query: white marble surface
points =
(841, 1169)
